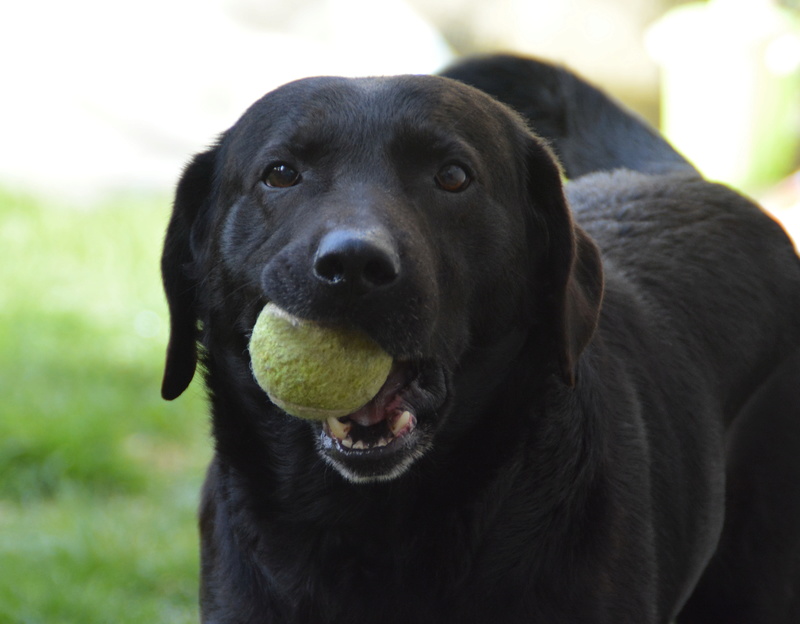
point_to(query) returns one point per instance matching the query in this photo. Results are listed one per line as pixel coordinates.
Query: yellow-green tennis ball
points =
(315, 371)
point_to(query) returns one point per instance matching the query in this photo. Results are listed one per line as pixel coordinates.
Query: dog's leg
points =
(754, 578)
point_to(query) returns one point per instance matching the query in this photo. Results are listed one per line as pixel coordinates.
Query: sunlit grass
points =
(99, 477)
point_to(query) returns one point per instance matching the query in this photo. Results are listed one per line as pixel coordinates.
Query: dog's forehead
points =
(327, 107)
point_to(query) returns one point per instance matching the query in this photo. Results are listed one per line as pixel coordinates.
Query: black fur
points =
(572, 355)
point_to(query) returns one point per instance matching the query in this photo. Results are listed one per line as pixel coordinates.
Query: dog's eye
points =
(452, 178)
(280, 175)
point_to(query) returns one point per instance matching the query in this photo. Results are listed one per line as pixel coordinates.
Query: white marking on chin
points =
(397, 471)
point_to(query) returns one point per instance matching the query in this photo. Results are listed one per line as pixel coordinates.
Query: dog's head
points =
(416, 209)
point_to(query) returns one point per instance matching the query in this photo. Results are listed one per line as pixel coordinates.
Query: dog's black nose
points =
(361, 261)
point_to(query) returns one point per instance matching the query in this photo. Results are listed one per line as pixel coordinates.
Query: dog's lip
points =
(350, 437)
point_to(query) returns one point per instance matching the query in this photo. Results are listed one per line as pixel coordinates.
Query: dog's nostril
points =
(364, 261)
(330, 268)
(380, 273)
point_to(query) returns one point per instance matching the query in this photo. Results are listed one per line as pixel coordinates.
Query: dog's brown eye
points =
(280, 175)
(452, 178)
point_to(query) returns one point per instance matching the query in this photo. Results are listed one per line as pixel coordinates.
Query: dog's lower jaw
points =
(363, 470)
(382, 452)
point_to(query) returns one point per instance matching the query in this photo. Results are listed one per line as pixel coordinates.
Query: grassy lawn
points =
(99, 477)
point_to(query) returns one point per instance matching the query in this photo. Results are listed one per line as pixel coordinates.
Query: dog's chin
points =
(383, 439)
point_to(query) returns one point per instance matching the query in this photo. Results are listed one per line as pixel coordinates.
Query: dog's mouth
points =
(382, 439)
(384, 420)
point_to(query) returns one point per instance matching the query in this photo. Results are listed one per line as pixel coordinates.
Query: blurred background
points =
(103, 103)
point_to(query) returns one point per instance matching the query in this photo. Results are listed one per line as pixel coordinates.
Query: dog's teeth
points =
(382, 442)
(347, 442)
(401, 423)
(339, 429)
(359, 444)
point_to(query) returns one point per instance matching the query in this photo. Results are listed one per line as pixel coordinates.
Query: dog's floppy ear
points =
(568, 288)
(193, 192)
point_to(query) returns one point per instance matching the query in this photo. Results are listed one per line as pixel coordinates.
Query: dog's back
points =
(588, 130)
(664, 230)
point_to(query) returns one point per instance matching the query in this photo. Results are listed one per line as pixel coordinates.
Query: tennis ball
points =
(315, 371)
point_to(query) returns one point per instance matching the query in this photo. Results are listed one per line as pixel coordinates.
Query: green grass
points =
(99, 478)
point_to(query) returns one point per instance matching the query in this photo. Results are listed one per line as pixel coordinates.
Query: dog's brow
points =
(304, 140)
(430, 138)
(307, 145)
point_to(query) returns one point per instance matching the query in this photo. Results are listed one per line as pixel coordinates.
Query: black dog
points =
(570, 385)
